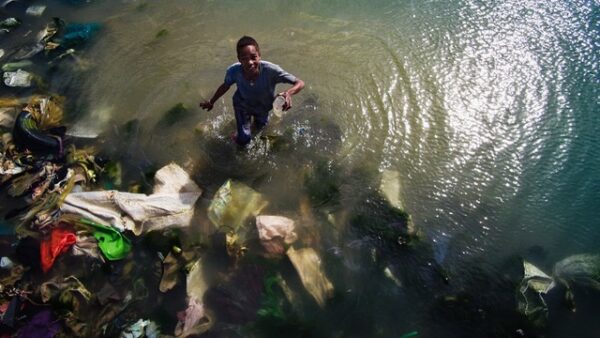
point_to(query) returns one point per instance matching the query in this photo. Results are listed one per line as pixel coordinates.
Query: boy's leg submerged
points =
(243, 119)
(243, 122)
(260, 121)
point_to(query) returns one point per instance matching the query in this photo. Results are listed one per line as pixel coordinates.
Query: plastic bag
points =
(308, 265)
(59, 242)
(274, 232)
(233, 203)
(534, 285)
(112, 243)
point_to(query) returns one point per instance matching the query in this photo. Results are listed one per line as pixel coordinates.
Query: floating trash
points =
(35, 10)
(20, 78)
(14, 66)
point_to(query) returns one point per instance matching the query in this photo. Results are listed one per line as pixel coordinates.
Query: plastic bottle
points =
(278, 105)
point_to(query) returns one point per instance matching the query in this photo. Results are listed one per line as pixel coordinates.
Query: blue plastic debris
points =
(78, 33)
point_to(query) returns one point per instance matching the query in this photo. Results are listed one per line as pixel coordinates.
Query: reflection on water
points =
(486, 110)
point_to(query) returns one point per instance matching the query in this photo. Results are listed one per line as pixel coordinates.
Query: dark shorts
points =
(243, 119)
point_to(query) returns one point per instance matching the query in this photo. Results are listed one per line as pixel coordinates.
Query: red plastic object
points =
(60, 241)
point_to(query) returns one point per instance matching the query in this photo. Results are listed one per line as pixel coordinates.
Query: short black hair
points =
(246, 41)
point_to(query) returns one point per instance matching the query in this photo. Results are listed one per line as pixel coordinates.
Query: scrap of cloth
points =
(171, 204)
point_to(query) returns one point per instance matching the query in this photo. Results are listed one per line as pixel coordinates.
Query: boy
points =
(255, 80)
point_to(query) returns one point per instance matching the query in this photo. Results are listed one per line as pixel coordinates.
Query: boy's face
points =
(249, 57)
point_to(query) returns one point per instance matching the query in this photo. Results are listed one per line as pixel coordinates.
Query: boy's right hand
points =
(206, 105)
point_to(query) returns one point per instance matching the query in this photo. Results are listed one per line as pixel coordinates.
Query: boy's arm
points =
(208, 105)
(298, 85)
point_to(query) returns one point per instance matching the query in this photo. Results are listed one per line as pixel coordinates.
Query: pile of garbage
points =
(69, 231)
(81, 258)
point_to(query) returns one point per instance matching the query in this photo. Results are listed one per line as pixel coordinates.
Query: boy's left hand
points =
(288, 100)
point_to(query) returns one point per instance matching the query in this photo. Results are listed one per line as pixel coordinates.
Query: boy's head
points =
(246, 41)
(248, 54)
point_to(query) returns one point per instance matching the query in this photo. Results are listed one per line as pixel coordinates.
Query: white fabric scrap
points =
(171, 204)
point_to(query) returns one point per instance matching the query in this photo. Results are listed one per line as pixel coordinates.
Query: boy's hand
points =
(288, 100)
(206, 105)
